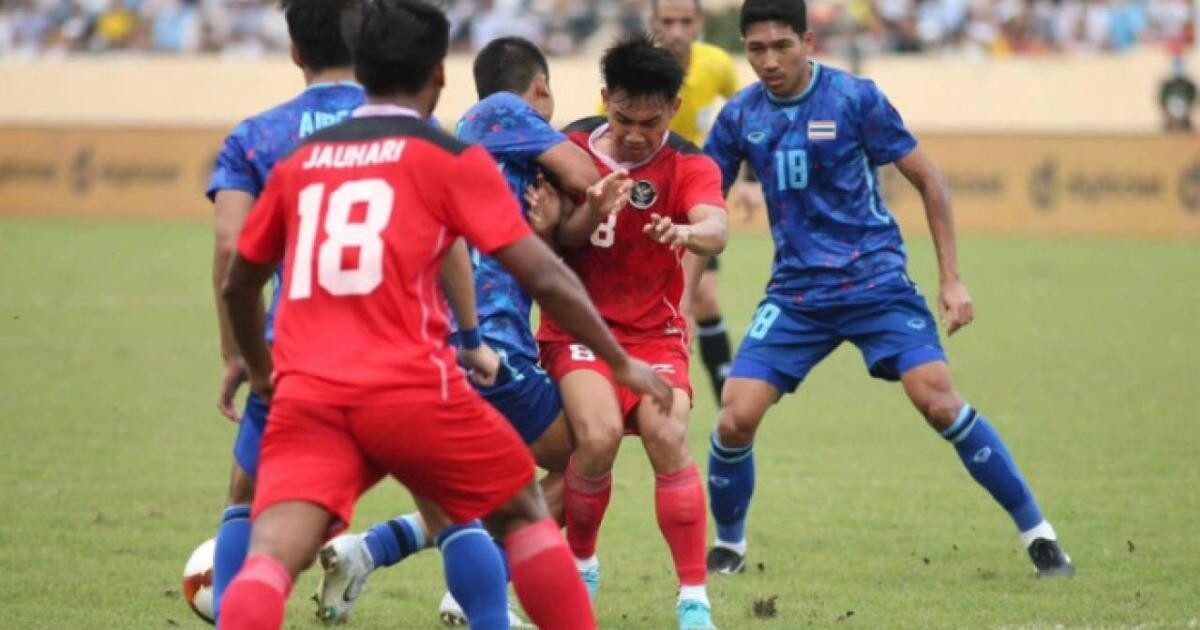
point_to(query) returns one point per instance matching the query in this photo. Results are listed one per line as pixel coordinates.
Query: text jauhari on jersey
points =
(354, 155)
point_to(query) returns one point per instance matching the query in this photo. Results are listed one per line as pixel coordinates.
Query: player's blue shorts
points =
(895, 333)
(525, 395)
(250, 432)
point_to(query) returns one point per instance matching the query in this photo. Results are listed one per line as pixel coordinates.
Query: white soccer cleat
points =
(452, 614)
(347, 563)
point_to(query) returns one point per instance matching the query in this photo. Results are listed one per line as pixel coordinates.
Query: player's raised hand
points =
(545, 206)
(231, 381)
(611, 193)
(641, 378)
(664, 230)
(954, 305)
(482, 363)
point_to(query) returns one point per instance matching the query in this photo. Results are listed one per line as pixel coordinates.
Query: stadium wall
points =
(1067, 94)
(135, 137)
(1013, 184)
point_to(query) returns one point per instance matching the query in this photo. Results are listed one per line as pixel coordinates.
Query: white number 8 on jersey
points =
(606, 233)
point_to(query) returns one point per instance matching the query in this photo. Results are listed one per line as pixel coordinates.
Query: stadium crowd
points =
(250, 28)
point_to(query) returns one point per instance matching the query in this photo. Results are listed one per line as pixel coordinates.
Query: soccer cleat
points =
(591, 579)
(452, 614)
(346, 563)
(725, 561)
(1050, 559)
(694, 615)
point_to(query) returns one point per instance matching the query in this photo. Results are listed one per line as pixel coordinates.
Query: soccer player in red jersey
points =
(629, 260)
(360, 378)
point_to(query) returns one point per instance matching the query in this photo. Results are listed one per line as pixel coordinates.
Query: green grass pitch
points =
(1084, 355)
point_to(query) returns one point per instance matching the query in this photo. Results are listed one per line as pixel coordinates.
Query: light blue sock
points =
(989, 462)
(475, 575)
(730, 486)
(233, 539)
(392, 541)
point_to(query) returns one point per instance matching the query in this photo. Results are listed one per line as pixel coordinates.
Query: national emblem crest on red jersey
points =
(643, 195)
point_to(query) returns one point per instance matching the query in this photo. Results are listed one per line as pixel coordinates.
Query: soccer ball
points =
(197, 580)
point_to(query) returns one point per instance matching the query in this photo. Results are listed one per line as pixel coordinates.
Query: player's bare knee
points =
(596, 437)
(665, 437)
(737, 425)
(705, 304)
(938, 403)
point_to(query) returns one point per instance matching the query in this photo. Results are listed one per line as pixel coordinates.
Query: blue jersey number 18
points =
(791, 169)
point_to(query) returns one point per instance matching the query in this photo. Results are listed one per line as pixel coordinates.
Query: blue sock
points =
(730, 486)
(503, 560)
(476, 575)
(233, 539)
(392, 541)
(987, 459)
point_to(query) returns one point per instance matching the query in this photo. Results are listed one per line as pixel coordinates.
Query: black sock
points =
(715, 351)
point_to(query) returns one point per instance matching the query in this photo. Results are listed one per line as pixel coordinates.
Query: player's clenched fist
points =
(638, 376)
(955, 305)
(482, 363)
(667, 232)
(611, 193)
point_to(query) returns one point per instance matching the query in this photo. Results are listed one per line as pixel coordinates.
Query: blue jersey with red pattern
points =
(257, 143)
(816, 156)
(515, 135)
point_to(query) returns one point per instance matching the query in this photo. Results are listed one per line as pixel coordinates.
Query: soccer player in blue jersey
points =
(239, 175)
(511, 121)
(241, 170)
(815, 136)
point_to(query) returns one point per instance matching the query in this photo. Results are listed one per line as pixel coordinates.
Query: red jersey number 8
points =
(606, 233)
(341, 234)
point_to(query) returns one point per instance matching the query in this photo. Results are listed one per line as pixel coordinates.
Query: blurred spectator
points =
(116, 26)
(850, 28)
(1177, 98)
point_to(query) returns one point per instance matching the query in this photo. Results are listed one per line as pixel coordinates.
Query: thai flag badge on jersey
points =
(822, 130)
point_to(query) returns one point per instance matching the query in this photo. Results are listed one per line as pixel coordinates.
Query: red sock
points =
(255, 598)
(584, 502)
(679, 505)
(545, 578)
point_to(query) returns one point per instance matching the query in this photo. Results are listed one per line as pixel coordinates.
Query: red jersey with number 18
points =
(636, 282)
(361, 215)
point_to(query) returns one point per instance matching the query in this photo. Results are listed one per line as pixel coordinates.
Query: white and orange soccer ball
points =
(197, 580)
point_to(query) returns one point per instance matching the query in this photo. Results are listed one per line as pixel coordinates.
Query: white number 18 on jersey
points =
(341, 234)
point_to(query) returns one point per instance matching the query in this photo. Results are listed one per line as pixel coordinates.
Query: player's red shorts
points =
(667, 355)
(461, 454)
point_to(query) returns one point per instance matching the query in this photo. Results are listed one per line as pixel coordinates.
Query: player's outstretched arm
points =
(706, 235)
(954, 302)
(562, 297)
(570, 166)
(604, 198)
(459, 286)
(230, 208)
(242, 293)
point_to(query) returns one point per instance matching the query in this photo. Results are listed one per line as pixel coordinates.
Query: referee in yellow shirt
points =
(710, 74)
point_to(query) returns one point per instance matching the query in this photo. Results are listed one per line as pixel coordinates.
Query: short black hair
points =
(308, 23)
(395, 44)
(793, 13)
(637, 66)
(508, 64)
